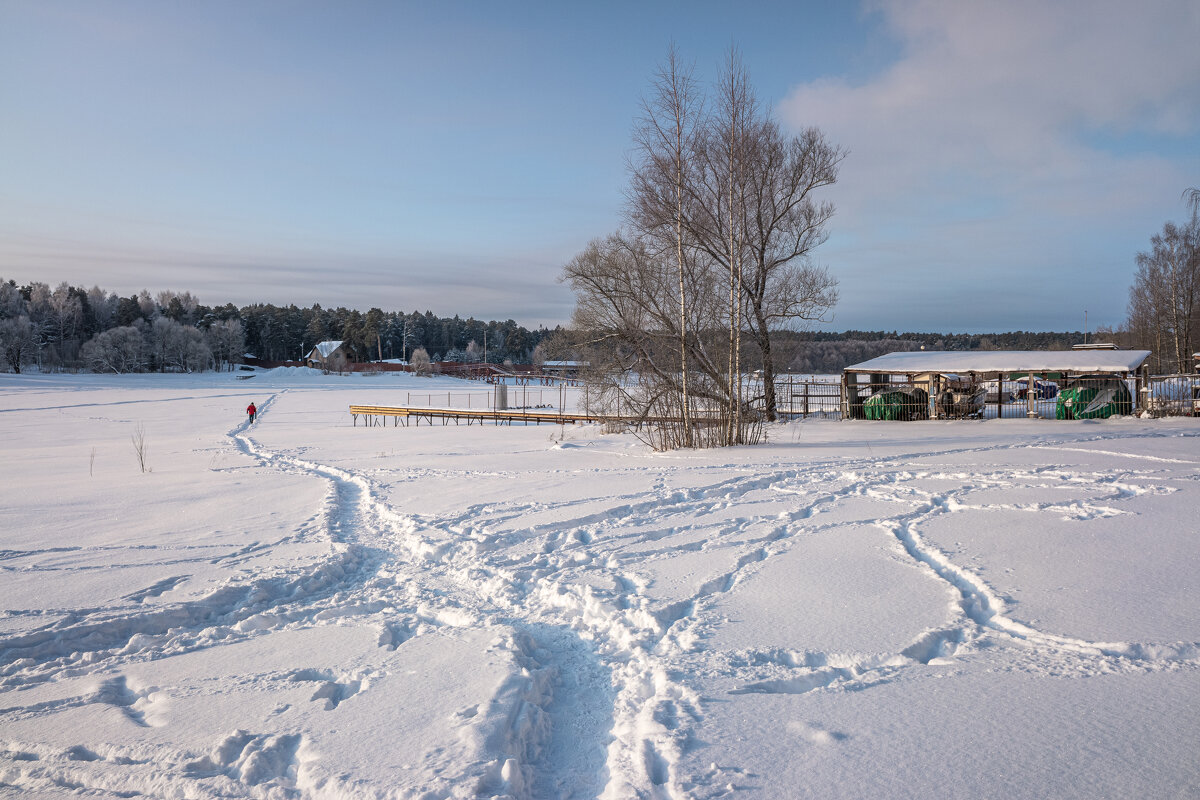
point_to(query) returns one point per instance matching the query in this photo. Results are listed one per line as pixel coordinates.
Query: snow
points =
(324, 349)
(956, 361)
(303, 608)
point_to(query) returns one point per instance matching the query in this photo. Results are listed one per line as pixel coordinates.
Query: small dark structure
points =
(969, 384)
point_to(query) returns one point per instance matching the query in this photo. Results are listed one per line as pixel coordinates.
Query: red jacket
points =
(250, 409)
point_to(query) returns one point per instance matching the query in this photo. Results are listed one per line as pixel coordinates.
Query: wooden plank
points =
(484, 415)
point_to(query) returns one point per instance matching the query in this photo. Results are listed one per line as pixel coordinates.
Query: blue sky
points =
(1007, 162)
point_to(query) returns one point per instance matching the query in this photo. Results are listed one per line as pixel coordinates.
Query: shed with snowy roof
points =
(998, 379)
(329, 355)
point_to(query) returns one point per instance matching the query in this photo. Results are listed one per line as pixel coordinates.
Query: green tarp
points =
(896, 404)
(1098, 400)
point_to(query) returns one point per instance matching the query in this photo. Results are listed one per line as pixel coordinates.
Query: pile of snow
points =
(300, 607)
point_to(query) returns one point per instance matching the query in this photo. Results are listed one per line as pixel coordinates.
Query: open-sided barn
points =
(995, 383)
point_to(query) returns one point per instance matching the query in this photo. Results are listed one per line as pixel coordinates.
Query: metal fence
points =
(805, 396)
(1172, 395)
(1033, 397)
(936, 397)
(502, 397)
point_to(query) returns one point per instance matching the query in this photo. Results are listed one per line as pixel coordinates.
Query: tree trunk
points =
(762, 337)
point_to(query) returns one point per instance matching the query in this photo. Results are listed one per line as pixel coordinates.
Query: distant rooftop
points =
(325, 348)
(960, 361)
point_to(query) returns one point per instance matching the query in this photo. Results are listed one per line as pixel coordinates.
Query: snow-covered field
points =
(1002, 609)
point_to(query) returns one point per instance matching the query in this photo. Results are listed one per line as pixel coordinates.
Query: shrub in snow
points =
(420, 362)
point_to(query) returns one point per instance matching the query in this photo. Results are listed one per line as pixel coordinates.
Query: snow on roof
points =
(325, 348)
(1005, 361)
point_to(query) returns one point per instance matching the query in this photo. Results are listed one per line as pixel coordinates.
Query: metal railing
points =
(1172, 395)
(516, 397)
(1051, 397)
(803, 396)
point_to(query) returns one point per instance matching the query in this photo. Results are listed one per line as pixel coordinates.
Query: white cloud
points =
(983, 145)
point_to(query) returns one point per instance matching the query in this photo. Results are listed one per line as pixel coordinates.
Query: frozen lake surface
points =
(302, 608)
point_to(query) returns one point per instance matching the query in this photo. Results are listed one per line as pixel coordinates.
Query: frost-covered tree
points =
(146, 304)
(104, 307)
(226, 340)
(12, 304)
(420, 362)
(18, 341)
(177, 348)
(179, 306)
(116, 350)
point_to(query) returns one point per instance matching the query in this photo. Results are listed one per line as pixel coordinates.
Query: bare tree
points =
(138, 437)
(1164, 302)
(627, 318)
(665, 139)
(1192, 197)
(785, 223)
(717, 211)
(727, 201)
(745, 203)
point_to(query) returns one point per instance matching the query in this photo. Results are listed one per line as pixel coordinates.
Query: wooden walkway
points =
(377, 416)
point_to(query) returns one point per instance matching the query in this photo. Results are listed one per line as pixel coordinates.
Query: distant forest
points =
(821, 352)
(70, 327)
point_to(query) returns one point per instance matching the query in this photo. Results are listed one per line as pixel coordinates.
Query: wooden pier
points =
(377, 416)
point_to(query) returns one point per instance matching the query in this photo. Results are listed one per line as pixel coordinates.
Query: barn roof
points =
(325, 348)
(959, 361)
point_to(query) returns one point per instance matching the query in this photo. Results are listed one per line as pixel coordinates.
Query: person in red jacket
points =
(251, 410)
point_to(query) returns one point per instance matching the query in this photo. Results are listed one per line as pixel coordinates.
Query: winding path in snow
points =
(608, 707)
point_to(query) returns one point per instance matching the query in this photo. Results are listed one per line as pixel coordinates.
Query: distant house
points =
(331, 356)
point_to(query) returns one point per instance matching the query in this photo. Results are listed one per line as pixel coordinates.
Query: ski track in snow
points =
(580, 611)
